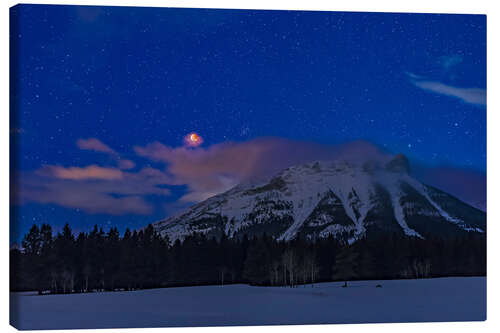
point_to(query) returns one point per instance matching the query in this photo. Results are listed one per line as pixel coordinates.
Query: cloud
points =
(212, 170)
(92, 189)
(76, 173)
(475, 96)
(125, 164)
(414, 76)
(98, 146)
(95, 145)
(469, 95)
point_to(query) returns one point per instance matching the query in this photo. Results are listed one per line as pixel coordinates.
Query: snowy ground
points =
(445, 299)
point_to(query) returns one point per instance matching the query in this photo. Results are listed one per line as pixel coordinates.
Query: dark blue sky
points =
(410, 83)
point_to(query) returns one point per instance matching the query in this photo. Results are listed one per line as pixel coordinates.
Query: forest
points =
(107, 261)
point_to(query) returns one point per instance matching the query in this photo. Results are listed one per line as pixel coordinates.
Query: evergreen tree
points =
(46, 258)
(32, 244)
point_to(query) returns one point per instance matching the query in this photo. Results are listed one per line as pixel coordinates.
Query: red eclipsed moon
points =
(193, 139)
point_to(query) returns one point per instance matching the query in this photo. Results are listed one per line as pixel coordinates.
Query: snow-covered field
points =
(445, 299)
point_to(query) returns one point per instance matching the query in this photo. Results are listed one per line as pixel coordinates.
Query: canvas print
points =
(206, 167)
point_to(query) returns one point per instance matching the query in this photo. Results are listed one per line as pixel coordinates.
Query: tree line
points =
(108, 261)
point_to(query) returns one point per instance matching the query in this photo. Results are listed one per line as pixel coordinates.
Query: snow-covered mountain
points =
(338, 198)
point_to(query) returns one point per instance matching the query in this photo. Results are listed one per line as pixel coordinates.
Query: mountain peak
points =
(399, 164)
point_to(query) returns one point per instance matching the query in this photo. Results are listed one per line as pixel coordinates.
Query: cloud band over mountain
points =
(203, 171)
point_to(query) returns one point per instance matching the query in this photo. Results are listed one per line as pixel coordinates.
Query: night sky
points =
(103, 98)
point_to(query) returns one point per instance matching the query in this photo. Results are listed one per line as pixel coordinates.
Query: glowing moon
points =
(193, 139)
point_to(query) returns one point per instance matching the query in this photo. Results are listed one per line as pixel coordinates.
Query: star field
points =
(132, 76)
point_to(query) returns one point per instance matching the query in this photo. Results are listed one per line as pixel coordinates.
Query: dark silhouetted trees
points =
(106, 261)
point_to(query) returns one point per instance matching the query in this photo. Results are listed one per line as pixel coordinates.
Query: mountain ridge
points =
(339, 198)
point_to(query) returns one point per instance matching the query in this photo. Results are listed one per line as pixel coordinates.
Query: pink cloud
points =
(88, 201)
(98, 146)
(95, 145)
(212, 170)
(208, 171)
(92, 189)
(76, 173)
(126, 164)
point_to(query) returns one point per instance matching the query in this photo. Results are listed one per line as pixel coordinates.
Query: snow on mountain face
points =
(335, 198)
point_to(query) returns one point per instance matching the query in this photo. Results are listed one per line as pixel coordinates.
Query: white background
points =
(491, 8)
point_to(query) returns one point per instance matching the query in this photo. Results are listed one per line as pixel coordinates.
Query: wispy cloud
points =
(76, 173)
(475, 96)
(95, 145)
(414, 76)
(98, 146)
(468, 95)
(92, 189)
(219, 167)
